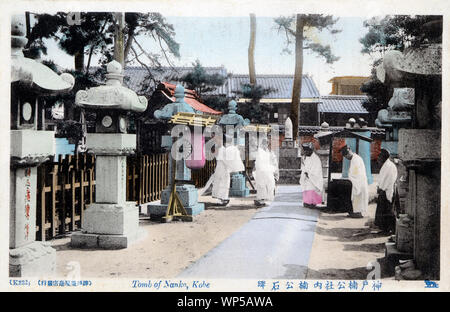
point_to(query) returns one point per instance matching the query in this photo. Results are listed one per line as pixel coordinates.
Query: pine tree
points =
(295, 27)
(397, 32)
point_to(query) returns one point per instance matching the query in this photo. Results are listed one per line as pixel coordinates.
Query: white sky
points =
(217, 41)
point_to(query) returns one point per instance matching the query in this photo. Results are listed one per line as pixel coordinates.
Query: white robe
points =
(228, 161)
(360, 188)
(387, 177)
(266, 170)
(313, 166)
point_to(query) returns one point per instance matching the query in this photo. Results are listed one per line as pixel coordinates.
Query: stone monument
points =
(110, 222)
(238, 181)
(31, 145)
(324, 153)
(187, 193)
(289, 157)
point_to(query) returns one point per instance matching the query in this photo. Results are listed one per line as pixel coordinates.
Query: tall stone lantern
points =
(238, 182)
(31, 145)
(111, 222)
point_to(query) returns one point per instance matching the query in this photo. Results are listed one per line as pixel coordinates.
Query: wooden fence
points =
(201, 176)
(66, 186)
(147, 176)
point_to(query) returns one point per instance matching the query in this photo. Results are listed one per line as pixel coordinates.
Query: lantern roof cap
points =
(112, 95)
(34, 75)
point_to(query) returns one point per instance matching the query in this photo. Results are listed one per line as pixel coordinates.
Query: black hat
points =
(308, 145)
(344, 150)
(384, 153)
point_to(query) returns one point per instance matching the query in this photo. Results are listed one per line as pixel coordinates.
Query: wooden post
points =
(330, 158)
(82, 191)
(53, 200)
(41, 178)
(73, 191)
(141, 175)
(62, 196)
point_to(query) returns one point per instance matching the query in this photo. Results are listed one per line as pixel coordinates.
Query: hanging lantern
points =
(197, 159)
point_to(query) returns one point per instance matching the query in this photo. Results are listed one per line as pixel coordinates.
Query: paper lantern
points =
(196, 159)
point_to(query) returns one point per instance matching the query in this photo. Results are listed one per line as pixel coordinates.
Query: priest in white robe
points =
(384, 216)
(311, 178)
(360, 188)
(265, 174)
(228, 160)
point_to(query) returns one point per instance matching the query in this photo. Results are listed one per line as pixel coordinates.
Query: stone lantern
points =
(419, 153)
(111, 222)
(187, 193)
(238, 182)
(31, 145)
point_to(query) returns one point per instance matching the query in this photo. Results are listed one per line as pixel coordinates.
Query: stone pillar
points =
(28, 257)
(289, 157)
(419, 149)
(325, 142)
(110, 222)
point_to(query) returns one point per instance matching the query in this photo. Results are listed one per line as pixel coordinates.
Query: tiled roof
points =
(348, 104)
(135, 75)
(189, 98)
(281, 83)
(311, 130)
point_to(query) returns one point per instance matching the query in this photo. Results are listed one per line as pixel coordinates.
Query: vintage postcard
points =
(225, 146)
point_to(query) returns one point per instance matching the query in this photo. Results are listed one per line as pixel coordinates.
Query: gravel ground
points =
(167, 248)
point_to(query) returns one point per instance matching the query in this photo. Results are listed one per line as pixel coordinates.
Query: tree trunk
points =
(91, 51)
(27, 23)
(118, 38)
(297, 86)
(251, 50)
(79, 60)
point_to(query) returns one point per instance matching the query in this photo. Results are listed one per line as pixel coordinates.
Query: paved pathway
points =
(274, 244)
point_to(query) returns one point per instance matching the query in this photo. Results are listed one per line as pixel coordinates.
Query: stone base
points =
(239, 186)
(289, 165)
(37, 259)
(108, 226)
(393, 256)
(289, 176)
(239, 193)
(104, 241)
(187, 193)
(111, 219)
(156, 211)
